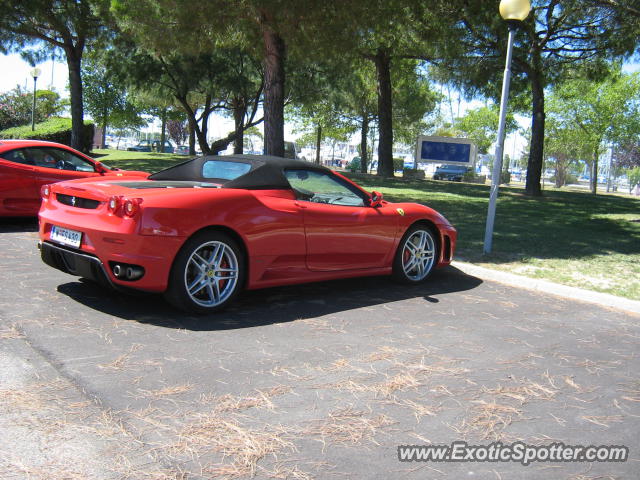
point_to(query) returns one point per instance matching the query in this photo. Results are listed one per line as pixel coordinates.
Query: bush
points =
(413, 173)
(469, 176)
(16, 106)
(569, 178)
(398, 164)
(472, 177)
(52, 130)
(354, 165)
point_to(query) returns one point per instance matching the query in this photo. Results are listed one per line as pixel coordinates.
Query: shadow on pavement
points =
(18, 224)
(274, 305)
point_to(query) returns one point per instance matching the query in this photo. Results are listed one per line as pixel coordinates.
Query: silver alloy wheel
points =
(211, 274)
(418, 255)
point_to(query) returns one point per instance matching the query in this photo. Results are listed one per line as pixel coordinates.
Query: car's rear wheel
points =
(207, 273)
(416, 256)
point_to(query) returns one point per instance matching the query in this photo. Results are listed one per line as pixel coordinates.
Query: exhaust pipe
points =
(118, 271)
(124, 271)
(134, 273)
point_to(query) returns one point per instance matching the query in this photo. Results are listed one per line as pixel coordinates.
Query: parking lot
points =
(312, 381)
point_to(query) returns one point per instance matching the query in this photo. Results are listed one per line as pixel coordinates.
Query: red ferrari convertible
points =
(27, 165)
(205, 229)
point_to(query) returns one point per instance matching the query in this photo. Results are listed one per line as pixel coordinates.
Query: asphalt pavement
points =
(310, 381)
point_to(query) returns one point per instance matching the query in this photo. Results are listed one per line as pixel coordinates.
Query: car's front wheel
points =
(416, 256)
(207, 273)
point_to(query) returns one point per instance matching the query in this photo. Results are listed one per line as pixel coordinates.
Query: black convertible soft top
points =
(266, 173)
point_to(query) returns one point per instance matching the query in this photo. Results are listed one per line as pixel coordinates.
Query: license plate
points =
(65, 236)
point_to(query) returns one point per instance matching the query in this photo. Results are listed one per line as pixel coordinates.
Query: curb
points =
(544, 286)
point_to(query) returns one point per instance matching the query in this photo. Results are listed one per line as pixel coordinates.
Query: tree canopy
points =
(43, 25)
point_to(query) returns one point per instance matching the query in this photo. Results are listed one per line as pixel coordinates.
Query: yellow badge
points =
(400, 211)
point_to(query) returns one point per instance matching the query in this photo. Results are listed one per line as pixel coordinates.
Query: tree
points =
(481, 126)
(356, 99)
(68, 25)
(320, 121)
(557, 36)
(224, 80)
(252, 134)
(628, 153)
(413, 100)
(601, 112)
(391, 31)
(272, 29)
(563, 146)
(178, 130)
(106, 98)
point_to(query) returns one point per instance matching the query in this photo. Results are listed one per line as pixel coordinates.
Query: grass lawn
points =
(567, 237)
(145, 161)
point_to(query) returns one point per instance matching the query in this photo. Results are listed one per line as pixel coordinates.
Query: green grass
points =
(567, 237)
(146, 161)
(573, 238)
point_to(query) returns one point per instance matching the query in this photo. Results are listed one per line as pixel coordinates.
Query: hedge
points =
(52, 130)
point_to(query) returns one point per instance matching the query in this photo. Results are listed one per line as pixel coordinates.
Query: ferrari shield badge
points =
(400, 211)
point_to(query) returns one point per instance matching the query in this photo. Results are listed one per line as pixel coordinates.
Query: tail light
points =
(131, 206)
(113, 204)
(45, 191)
(124, 207)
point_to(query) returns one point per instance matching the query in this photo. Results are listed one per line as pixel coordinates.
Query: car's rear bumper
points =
(74, 262)
(109, 243)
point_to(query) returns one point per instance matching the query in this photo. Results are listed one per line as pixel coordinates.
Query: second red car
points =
(27, 165)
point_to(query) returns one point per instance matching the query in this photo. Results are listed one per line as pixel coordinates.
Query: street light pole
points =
(35, 73)
(512, 11)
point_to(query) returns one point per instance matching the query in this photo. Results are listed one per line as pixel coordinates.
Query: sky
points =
(15, 71)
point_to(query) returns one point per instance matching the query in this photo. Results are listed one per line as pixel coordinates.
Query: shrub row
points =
(52, 130)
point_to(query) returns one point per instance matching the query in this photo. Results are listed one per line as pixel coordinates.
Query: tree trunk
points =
(197, 134)
(163, 130)
(103, 137)
(536, 152)
(364, 133)
(385, 114)
(192, 140)
(561, 172)
(75, 93)
(318, 144)
(594, 173)
(239, 109)
(274, 56)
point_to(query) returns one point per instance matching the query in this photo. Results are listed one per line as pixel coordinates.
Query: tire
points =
(417, 255)
(207, 273)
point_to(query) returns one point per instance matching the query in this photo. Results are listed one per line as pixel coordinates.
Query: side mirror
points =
(100, 168)
(376, 199)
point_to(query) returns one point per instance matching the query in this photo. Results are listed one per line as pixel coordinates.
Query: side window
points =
(58, 158)
(321, 187)
(17, 156)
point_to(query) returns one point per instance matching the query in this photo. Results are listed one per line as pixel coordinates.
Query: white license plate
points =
(65, 236)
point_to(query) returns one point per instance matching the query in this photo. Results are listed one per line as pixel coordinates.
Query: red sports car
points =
(27, 165)
(205, 229)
